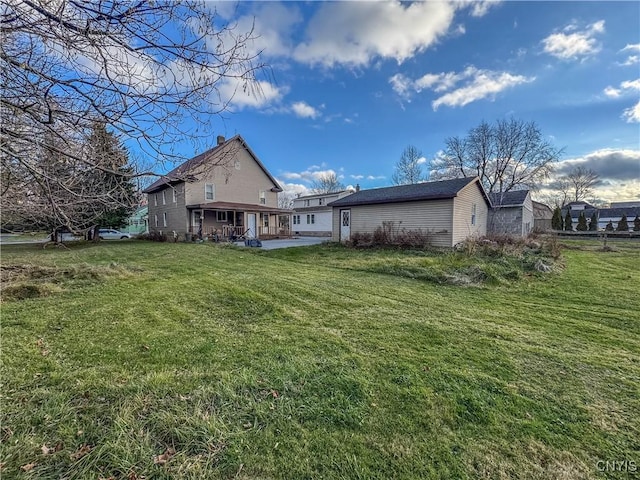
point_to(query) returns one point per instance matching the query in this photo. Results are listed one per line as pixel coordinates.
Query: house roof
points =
(320, 195)
(439, 190)
(514, 198)
(586, 205)
(181, 172)
(238, 206)
(630, 212)
(541, 205)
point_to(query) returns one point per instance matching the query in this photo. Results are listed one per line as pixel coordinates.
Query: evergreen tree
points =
(582, 223)
(593, 223)
(556, 220)
(636, 224)
(623, 224)
(568, 222)
(609, 227)
(113, 176)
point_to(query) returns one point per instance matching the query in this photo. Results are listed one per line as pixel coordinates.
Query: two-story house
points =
(224, 191)
(311, 214)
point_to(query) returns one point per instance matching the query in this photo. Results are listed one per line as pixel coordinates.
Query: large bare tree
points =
(508, 155)
(580, 181)
(327, 183)
(155, 73)
(408, 169)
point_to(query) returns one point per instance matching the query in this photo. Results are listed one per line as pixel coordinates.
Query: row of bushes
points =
(388, 236)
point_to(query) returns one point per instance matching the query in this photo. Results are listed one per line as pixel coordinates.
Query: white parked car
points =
(109, 234)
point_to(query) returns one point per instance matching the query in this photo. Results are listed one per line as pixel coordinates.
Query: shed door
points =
(345, 225)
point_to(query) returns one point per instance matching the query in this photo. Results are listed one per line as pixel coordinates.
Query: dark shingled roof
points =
(513, 198)
(181, 173)
(406, 193)
(630, 212)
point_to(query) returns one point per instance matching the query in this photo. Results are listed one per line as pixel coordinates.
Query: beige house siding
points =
(241, 181)
(463, 210)
(175, 211)
(432, 216)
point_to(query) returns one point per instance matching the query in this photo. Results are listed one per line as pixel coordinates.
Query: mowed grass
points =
(198, 361)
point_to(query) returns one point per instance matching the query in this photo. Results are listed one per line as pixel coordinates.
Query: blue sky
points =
(351, 84)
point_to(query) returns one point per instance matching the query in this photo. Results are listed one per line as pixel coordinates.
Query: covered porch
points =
(224, 220)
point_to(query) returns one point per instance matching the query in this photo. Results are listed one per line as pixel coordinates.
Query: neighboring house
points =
(138, 222)
(511, 213)
(449, 210)
(312, 214)
(576, 208)
(225, 190)
(614, 215)
(542, 216)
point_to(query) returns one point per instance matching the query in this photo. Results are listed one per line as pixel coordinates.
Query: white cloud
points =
(354, 33)
(459, 89)
(631, 84)
(612, 92)
(376, 177)
(304, 110)
(309, 175)
(579, 43)
(236, 95)
(631, 48)
(632, 114)
(631, 60)
(484, 84)
(618, 169)
(357, 177)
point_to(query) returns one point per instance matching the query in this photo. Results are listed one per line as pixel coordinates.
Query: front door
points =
(196, 223)
(251, 225)
(345, 225)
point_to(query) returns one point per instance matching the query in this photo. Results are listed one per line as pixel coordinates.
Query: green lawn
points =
(149, 360)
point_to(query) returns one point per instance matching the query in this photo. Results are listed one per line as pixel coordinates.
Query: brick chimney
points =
(357, 187)
(220, 139)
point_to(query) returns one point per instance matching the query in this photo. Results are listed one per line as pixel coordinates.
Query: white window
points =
(321, 201)
(296, 219)
(164, 197)
(175, 195)
(307, 203)
(209, 191)
(155, 199)
(263, 199)
(473, 214)
(311, 219)
(164, 219)
(265, 220)
(221, 216)
(156, 219)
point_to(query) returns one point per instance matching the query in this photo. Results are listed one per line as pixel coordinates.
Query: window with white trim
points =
(311, 219)
(321, 201)
(307, 203)
(164, 219)
(263, 199)
(155, 199)
(221, 216)
(164, 197)
(209, 191)
(175, 195)
(473, 214)
(265, 220)
(155, 217)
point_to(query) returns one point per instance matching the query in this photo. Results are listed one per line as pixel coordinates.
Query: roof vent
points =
(220, 139)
